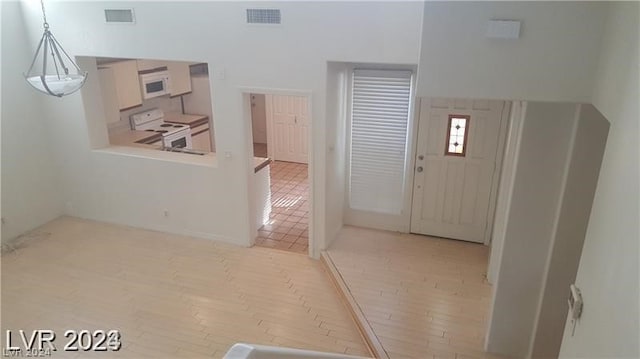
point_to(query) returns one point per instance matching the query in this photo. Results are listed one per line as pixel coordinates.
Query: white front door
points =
(287, 126)
(458, 157)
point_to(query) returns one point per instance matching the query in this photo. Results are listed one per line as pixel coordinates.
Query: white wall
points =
(136, 190)
(543, 157)
(29, 173)
(337, 77)
(566, 247)
(608, 271)
(553, 60)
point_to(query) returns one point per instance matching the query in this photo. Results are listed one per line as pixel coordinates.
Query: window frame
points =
(465, 140)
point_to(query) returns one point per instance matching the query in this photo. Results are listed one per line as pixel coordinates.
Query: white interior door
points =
(288, 123)
(456, 170)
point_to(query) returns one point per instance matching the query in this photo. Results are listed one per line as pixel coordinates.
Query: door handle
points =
(421, 157)
(419, 169)
(295, 119)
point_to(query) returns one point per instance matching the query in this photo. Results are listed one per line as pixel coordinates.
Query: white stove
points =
(173, 134)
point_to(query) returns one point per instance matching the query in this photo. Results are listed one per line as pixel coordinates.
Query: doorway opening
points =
(280, 126)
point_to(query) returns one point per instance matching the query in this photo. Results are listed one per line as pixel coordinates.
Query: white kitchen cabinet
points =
(180, 77)
(201, 138)
(146, 65)
(125, 74)
(109, 94)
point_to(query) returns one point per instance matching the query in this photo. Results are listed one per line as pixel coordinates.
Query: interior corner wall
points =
(336, 148)
(542, 162)
(608, 274)
(577, 198)
(30, 184)
(553, 60)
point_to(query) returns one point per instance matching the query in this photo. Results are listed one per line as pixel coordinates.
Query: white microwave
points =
(155, 84)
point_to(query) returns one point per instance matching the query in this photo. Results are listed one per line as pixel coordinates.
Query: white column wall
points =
(544, 155)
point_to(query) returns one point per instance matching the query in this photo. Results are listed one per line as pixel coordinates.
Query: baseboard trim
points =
(366, 332)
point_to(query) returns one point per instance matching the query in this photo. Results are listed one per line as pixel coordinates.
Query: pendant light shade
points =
(54, 78)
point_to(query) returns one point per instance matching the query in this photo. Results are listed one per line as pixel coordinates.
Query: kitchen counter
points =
(260, 163)
(192, 120)
(138, 139)
(133, 138)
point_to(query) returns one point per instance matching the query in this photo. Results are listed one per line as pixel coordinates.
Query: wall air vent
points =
(264, 16)
(119, 16)
(503, 29)
(200, 69)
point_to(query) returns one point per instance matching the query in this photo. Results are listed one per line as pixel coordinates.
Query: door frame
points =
(268, 104)
(505, 117)
(313, 191)
(497, 170)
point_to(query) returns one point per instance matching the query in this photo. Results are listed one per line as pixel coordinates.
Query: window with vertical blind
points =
(379, 122)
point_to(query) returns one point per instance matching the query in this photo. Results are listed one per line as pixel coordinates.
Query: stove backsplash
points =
(165, 103)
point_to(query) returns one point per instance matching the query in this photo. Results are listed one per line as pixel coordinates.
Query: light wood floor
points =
(169, 295)
(424, 297)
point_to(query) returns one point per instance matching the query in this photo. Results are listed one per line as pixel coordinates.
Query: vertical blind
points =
(379, 120)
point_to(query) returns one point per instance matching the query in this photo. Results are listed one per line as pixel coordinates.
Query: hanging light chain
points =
(44, 16)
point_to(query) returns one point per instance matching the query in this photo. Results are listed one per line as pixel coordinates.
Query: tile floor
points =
(424, 297)
(288, 226)
(170, 296)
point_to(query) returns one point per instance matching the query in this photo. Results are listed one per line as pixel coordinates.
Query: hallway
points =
(424, 297)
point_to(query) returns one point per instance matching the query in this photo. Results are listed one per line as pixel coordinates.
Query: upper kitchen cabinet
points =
(147, 65)
(180, 77)
(125, 75)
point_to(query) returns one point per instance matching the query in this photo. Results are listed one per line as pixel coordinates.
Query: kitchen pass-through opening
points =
(153, 104)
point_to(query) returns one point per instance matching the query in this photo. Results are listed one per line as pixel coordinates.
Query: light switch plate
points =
(219, 74)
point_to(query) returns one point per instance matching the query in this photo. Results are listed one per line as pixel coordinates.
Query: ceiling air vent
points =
(119, 16)
(263, 16)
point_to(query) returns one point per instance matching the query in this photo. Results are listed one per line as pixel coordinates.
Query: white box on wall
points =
(503, 29)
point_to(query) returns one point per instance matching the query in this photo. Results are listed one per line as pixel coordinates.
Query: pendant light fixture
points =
(54, 79)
